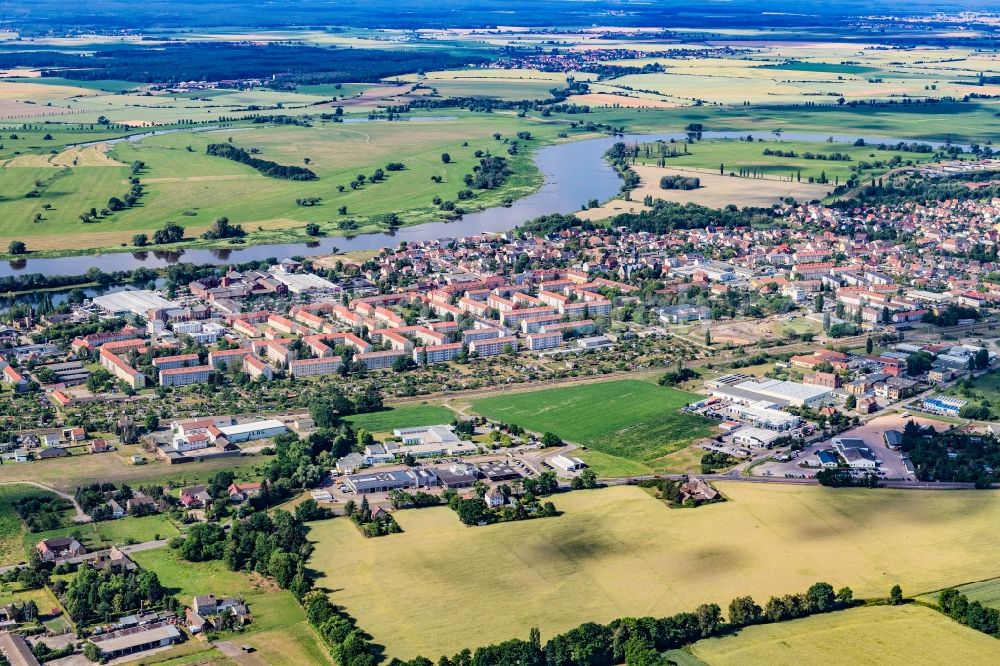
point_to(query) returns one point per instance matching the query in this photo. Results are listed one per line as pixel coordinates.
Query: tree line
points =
(265, 167)
(631, 641)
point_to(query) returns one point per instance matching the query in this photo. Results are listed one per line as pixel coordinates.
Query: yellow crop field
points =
(912, 635)
(619, 551)
(716, 191)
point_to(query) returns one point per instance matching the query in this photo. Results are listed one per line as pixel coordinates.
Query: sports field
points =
(619, 551)
(632, 420)
(876, 635)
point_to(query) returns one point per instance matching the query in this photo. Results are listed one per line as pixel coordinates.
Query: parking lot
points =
(891, 467)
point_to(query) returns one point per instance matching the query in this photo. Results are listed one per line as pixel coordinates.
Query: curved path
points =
(80, 517)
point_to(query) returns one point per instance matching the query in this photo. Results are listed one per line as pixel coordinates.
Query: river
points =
(574, 173)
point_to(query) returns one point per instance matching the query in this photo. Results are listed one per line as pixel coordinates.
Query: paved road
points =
(735, 476)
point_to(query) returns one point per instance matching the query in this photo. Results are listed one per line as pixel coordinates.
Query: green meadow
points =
(628, 420)
(406, 416)
(185, 185)
(735, 155)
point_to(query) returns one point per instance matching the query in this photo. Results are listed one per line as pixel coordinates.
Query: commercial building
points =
(764, 415)
(300, 283)
(792, 393)
(243, 432)
(566, 463)
(136, 639)
(382, 482)
(138, 302)
(499, 471)
(436, 434)
(594, 342)
(855, 453)
(893, 440)
(457, 475)
(681, 314)
(757, 438)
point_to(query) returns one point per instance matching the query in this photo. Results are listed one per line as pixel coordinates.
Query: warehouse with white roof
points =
(138, 302)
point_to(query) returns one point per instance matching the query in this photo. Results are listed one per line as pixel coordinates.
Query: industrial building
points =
(778, 392)
(138, 302)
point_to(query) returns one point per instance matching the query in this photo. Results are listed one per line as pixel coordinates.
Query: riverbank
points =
(404, 195)
(572, 172)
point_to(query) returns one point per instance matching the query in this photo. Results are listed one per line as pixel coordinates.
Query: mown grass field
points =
(875, 635)
(279, 633)
(619, 551)
(635, 421)
(13, 592)
(13, 531)
(67, 473)
(734, 155)
(407, 416)
(111, 532)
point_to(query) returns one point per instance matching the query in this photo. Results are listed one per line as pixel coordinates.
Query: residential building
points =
(184, 376)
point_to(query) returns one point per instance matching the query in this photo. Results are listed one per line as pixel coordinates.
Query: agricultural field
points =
(972, 121)
(406, 416)
(986, 592)
(619, 551)
(733, 157)
(770, 73)
(634, 421)
(719, 191)
(874, 635)
(505, 84)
